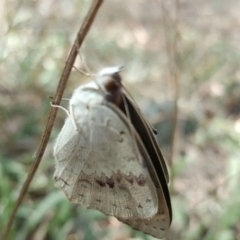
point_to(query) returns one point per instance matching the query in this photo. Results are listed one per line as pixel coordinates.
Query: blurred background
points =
(181, 63)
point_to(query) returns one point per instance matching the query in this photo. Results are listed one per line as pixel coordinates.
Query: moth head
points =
(109, 79)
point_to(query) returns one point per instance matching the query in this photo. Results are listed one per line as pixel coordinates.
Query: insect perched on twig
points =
(107, 157)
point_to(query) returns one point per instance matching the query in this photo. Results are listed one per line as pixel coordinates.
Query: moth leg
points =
(85, 65)
(64, 109)
(82, 72)
(71, 115)
(66, 99)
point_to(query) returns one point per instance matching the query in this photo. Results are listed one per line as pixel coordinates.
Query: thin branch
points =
(172, 52)
(57, 99)
(175, 74)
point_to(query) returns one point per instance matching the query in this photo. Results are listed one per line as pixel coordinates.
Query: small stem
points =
(175, 76)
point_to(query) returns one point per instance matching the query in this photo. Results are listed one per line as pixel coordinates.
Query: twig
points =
(175, 73)
(57, 99)
(172, 52)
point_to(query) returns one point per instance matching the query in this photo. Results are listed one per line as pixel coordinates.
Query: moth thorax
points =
(112, 85)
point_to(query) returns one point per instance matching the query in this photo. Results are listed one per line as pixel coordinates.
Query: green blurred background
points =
(184, 52)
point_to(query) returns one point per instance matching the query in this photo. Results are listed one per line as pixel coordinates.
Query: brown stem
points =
(57, 99)
(175, 74)
(173, 68)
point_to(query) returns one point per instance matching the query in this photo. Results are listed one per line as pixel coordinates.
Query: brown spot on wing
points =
(129, 179)
(101, 183)
(141, 181)
(110, 182)
(104, 181)
(118, 177)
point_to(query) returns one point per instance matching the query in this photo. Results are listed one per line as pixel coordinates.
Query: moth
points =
(107, 157)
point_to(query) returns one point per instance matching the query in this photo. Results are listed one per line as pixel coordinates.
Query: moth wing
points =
(139, 121)
(100, 167)
(158, 225)
(149, 141)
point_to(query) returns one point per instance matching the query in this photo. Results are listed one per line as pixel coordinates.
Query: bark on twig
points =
(57, 99)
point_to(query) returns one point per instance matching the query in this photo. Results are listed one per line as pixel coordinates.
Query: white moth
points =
(107, 157)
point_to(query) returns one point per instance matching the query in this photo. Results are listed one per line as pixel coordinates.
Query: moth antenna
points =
(132, 99)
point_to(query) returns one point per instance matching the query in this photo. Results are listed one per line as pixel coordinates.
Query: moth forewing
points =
(98, 165)
(154, 152)
(136, 118)
(159, 224)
